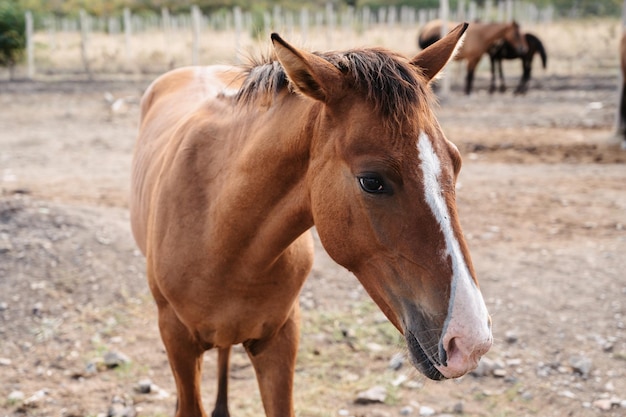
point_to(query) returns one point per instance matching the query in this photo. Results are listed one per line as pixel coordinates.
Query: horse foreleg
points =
(523, 83)
(185, 357)
(223, 364)
(492, 86)
(501, 73)
(274, 362)
(471, 66)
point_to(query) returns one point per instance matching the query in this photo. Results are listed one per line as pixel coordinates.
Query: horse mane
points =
(388, 81)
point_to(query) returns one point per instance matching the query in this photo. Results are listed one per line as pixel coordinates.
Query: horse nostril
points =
(452, 348)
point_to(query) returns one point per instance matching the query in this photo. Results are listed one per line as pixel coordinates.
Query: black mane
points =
(386, 79)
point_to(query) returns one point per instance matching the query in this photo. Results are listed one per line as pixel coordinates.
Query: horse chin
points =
(421, 360)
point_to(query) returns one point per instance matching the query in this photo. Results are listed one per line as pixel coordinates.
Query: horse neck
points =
(266, 189)
(494, 31)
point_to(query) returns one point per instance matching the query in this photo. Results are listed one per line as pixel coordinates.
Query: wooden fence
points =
(130, 43)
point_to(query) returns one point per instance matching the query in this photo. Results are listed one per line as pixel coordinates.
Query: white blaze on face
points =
(467, 320)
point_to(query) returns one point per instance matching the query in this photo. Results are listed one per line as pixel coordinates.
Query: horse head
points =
(516, 38)
(381, 181)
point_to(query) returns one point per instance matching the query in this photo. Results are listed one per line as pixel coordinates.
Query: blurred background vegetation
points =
(42, 12)
(581, 8)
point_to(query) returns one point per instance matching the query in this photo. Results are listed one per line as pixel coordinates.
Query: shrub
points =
(12, 33)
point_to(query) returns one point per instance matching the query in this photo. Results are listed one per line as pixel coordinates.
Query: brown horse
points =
(232, 168)
(622, 103)
(504, 50)
(478, 39)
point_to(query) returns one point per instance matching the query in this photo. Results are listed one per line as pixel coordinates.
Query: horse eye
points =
(372, 184)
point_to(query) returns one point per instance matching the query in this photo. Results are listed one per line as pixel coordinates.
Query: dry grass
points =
(574, 48)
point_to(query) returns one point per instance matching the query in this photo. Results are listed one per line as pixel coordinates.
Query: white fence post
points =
(85, 26)
(237, 17)
(30, 46)
(444, 12)
(127, 35)
(330, 24)
(304, 24)
(195, 24)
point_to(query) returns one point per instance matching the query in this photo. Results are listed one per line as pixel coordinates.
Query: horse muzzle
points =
(452, 357)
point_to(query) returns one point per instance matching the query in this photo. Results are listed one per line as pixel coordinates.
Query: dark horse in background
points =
(478, 39)
(505, 50)
(622, 104)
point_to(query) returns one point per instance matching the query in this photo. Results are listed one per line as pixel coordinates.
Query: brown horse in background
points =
(504, 50)
(622, 104)
(232, 168)
(479, 37)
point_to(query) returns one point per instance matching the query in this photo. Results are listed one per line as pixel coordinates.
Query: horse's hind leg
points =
(492, 86)
(274, 362)
(501, 74)
(223, 364)
(469, 79)
(185, 357)
(523, 83)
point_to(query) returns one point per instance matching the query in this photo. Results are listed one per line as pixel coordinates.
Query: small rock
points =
(37, 309)
(484, 368)
(375, 347)
(458, 408)
(15, 397)
(114, 359)
(511, 337)
(144, 386)
(603, 404)
(36, 399)
(120, 410)
(426, 411)
(377, 394)
(3, 306)
(396, 361)
(406, 410)
(92, 368)
(499, 373)
(567, 394)
(5, 362)
(401, 379)
(581, 365)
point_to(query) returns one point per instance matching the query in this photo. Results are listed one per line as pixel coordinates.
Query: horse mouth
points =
(421, 360)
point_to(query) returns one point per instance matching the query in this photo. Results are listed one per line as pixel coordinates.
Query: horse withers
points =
(232, 168)
(505, 50)
(478, 39)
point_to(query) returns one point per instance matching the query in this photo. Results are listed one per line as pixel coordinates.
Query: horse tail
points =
(430, 33)
(425, 41)
(540, 49)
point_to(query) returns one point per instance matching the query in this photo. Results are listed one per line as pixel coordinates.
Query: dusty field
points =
(542, 201)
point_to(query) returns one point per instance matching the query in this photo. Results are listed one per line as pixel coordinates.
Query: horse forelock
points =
(394, 87)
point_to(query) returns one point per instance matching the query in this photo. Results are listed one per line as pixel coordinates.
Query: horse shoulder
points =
(178, 112)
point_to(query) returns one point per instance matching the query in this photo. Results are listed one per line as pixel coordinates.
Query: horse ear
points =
(312, 75)
(432, 59)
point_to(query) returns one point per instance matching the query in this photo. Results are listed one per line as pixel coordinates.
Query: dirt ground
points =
(542, 201)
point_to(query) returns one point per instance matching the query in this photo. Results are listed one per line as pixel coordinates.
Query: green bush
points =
(12, 33)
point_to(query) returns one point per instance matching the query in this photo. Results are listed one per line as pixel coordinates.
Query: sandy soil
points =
(542, 201)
